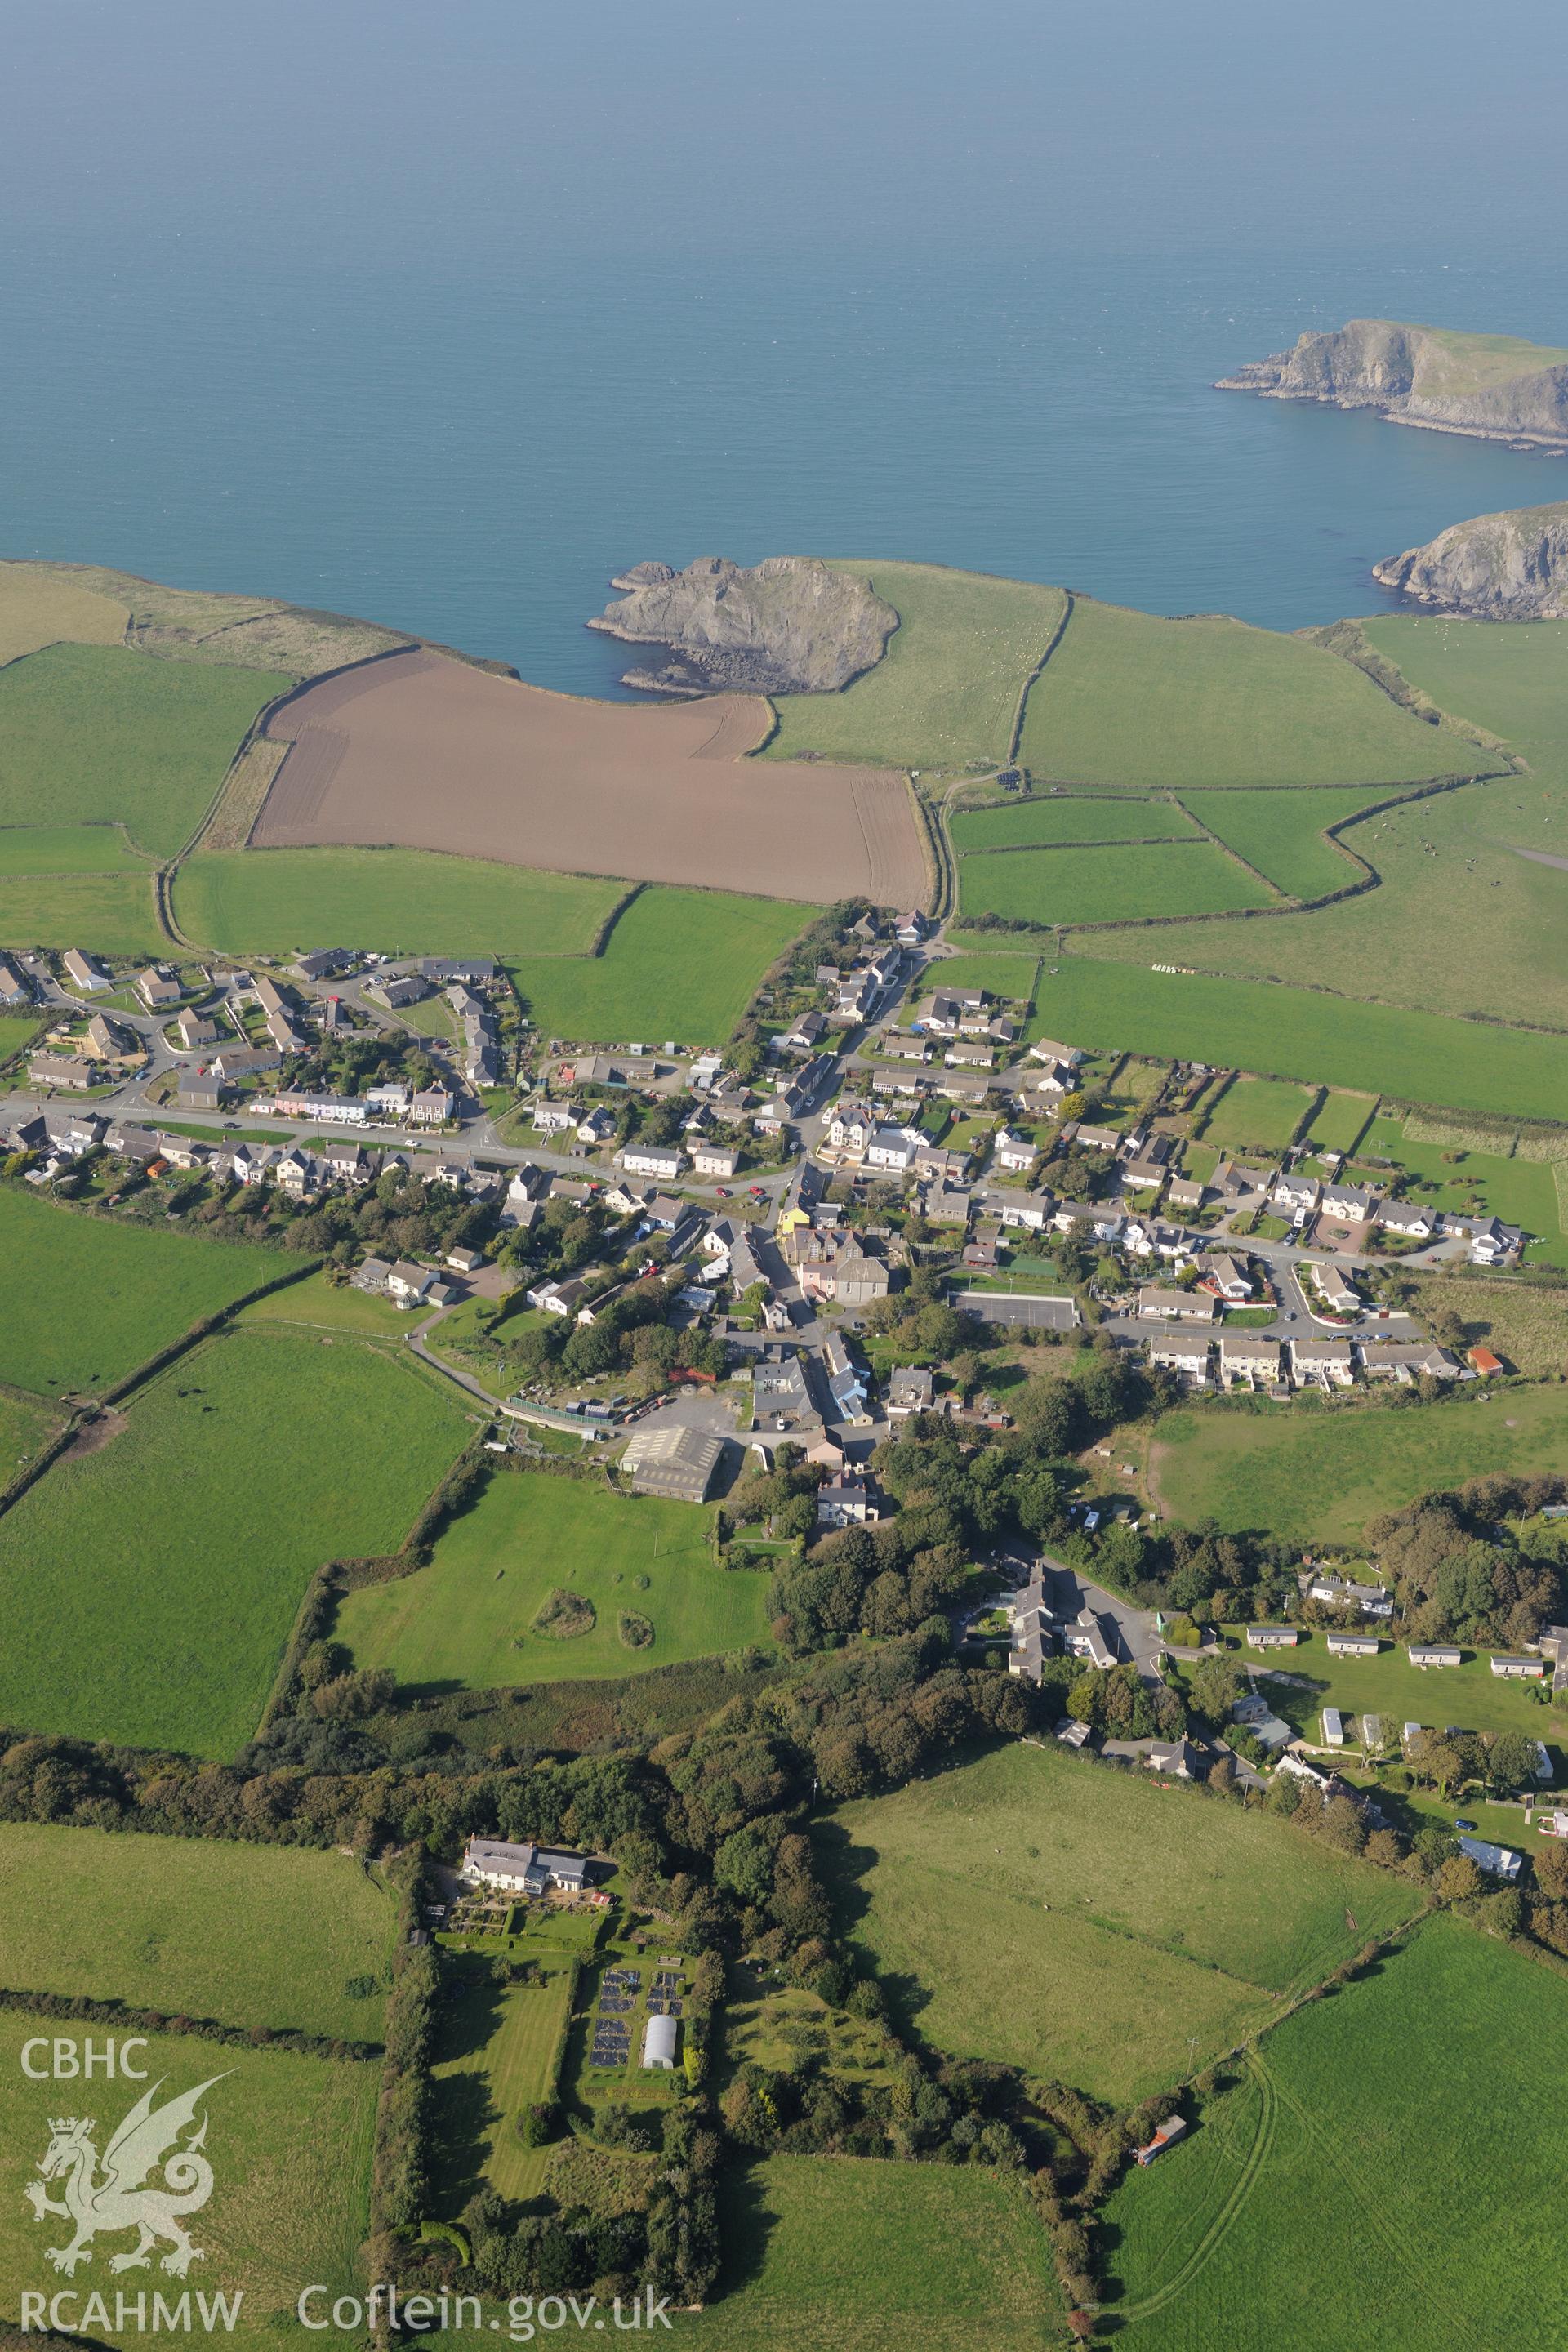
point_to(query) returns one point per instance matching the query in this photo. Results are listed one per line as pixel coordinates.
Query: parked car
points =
(1461, 1824)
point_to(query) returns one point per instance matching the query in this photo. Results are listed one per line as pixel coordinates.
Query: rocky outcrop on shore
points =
(1493, 387)
(1499, 567)
(789, 625)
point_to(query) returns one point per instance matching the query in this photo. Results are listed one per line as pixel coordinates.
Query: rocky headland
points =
(1494, 388)
(1499, 567)
(789, 625)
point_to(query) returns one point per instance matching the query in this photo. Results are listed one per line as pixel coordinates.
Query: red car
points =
(722, 1191)
(756, 1191)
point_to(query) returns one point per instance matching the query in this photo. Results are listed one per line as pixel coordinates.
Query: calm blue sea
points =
(442, 323)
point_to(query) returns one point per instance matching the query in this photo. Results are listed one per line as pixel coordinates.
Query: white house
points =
(660, 1159)
(523, 1869)
(894, 1148)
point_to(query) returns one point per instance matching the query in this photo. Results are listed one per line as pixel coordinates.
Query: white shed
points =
(659, 2043)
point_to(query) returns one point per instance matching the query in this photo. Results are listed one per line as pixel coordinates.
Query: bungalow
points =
(894, 1148)
(193, 1029)
(971, 1087)
(1496, 1861)
(1246, 1355)
(1234, 1181)
(85, 971)
(1178, 1306)
(1184, 1193)
(1180, 1758)
(1051, 1049)
(1413, 1219)
(1492, 1244)
(557, 1297)
(1339, 1592)
(1518, 1670)
(62, 1070)
(1225, 1278)
(663, 1160)
(465, 1261)
(1272, 1637)
(396, 992)
(1053, 1079)
(14, 989)
(1406, 1362)
(904, 1045)
(715, 1159)
(1433, 1654)
(1326, 1362)
(1186, 1354)
(523, 1869)
(320, 963)
(1098, 1138)
(952, 1010)
(1353, 1646)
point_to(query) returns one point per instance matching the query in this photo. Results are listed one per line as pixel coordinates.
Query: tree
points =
(1457, 1879)
(1551, 1870)
(1511, 1762)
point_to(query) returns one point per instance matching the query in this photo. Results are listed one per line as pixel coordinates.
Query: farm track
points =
(1219, 2229)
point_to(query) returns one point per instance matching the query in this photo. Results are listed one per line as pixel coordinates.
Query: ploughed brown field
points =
(428, 753)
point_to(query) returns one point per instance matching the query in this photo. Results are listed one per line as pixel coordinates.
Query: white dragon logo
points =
(119, 2201)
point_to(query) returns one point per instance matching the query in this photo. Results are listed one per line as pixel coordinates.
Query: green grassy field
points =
(67, 849)
(1130, 700)
(98, 734)
(112, 914)
(946, 690)
(1469, 1695)
(1527, 1326)
(1282, 834)
(1121, 884)
(1521, 1191)
(681, 964)
(466, 1619)
(322, 1306)
(1297, 1032)
(1319, 1476)
(250, 1935)
(16, 1030)
(1340, 1120)
(1420, 2104)
(1008, 977)
(83, 1300)
(178, 1552)
(1151, 1915)
(289, 2140)
(1046, 822)
(492, 2059)
(1265, 1112)
(27, 1424)
(403, 901)
(836, 2254)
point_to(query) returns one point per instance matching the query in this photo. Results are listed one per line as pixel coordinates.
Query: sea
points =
(468, 450)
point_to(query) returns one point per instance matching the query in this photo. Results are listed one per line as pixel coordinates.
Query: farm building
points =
(1434, 1653)
(679, 1464)
(1272, 1637)
(523, 1869)
(1171, 2129)
(1353, 1646)
(659, 2043)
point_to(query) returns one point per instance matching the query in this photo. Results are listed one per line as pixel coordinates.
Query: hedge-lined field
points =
(1284, 834)
(679, 965)
(1125, 883)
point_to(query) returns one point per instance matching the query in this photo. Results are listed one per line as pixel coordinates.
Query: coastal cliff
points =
(1499, 567)
(1494, 388)
(790, 626)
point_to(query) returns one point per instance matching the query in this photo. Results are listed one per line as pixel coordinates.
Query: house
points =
(1087, 1637)
(523, 1869)
(1098, 1138)
(1185, 1353)
(1353, 1646)
(1179, 1758)
(846, 1501)
(894, 1148)
(1018, 1152)
(1031, 1210)
(431, 1107)
(658, 2042)
(396, 992)
(408, 1284)
(85, 971)
(1340, 1296)
(1178, 1306)
(1051, 1049)
(1226, 1276)
(781, 1399)
(1433, 1654)
(950, 1010)
(911, 1390)
(193, 1030)
(1496, 1861)
(714, 1158)
(910, 930)
(679, 1464)
(1146, 1171)
(554, 1117)
(110, 1038)
(969, 1054)
(859, 1278)
(1346, 1204)
(1328, 1362)
(465, 1261)
(932, 1163)
(244, 1061)
(557, 1297)
(1518, 1670)
(946, 1204)
(157, 988)
(1272, 1637)
(322, 1110)
(1052, 1079)
(1246, 1355)
(1407, 1362)
(846, 1383)
(904, 1045)
(1339, 1592)
(14, 989)
(851, 1126)
(1492, 1244)
(1295, 1196)
(597, 1125)
(1334, 1727)
(295, 1173)
(200, 1094)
